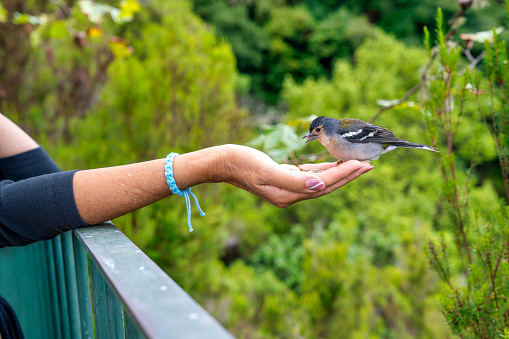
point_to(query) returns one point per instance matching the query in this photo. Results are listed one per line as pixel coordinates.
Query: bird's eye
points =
(318, 129)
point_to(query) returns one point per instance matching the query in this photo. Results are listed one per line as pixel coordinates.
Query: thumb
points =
(314, 184)
(295, 181)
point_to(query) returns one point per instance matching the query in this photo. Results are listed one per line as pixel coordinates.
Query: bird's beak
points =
(310, 137)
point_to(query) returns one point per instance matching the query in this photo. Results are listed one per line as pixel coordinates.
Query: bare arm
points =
(13, 140)
(107, 193)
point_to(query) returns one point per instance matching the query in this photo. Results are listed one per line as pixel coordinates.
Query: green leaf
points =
(426, 40)
(387, 103)
(282, 134)
(278, 141)
(95, 11)
(23, 18)
(273, 138)
(120, 48)
(20, 18)
(127, 10)
(290, 138)
(257, 142)
(57, 30)
(3, 14)
(278, 155)
(36, 36)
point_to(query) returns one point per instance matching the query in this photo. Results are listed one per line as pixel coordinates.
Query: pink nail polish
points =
(315, 184)
(369, 169)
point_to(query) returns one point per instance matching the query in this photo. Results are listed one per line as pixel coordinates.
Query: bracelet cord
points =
(168, 173)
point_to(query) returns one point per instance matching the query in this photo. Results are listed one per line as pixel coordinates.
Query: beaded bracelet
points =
(168, 173)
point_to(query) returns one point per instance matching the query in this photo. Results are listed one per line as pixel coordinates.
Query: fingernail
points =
(315, 184)
(369, 169)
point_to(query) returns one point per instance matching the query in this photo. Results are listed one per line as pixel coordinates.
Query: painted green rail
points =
(95, 283)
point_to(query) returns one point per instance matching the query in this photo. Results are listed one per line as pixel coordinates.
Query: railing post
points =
(71, 285)
(99, 298)
(62, 288)
(53, 290)
(83, 284)
(115, 315)
(131, 329)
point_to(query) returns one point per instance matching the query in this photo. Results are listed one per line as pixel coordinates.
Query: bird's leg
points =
(339, 162)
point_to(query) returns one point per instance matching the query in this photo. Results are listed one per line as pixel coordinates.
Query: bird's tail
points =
(409, 144)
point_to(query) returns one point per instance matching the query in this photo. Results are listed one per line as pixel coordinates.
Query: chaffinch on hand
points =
(354, 139)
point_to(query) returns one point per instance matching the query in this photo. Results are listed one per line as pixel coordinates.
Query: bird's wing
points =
(365, 133)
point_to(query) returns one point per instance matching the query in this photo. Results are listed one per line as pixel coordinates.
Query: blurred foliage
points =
(101, 92)
(279, 141)
(61, 38)
(305, 38)
(478, 308)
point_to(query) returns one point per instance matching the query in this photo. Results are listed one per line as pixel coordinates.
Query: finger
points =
(321, 166)
(336, 173)
(342, 182)
(293, 181)
(305, 182)
(352, 176)
(282, 197)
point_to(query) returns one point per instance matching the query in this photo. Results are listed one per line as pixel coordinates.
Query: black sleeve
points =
(27, 165)
(35, 205)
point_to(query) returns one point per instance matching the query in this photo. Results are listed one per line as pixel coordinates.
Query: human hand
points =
(283, 185)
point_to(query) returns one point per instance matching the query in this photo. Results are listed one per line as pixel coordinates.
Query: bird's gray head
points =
(322, 126)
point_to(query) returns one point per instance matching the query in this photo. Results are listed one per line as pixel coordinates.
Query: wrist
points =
(203, 166)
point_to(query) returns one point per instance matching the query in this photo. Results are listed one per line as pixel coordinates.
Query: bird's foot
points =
(339, 162)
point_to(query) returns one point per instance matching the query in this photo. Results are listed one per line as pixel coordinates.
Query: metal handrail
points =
(95, 283)
(158, 306)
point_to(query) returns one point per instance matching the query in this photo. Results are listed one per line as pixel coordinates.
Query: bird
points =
(354, 139)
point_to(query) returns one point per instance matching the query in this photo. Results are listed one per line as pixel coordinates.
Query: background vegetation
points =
(102, 84)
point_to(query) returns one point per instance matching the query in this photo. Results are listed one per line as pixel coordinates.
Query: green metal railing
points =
(95, 283)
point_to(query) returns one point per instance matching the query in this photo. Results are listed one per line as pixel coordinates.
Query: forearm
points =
(107, 193)
(13, 140)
